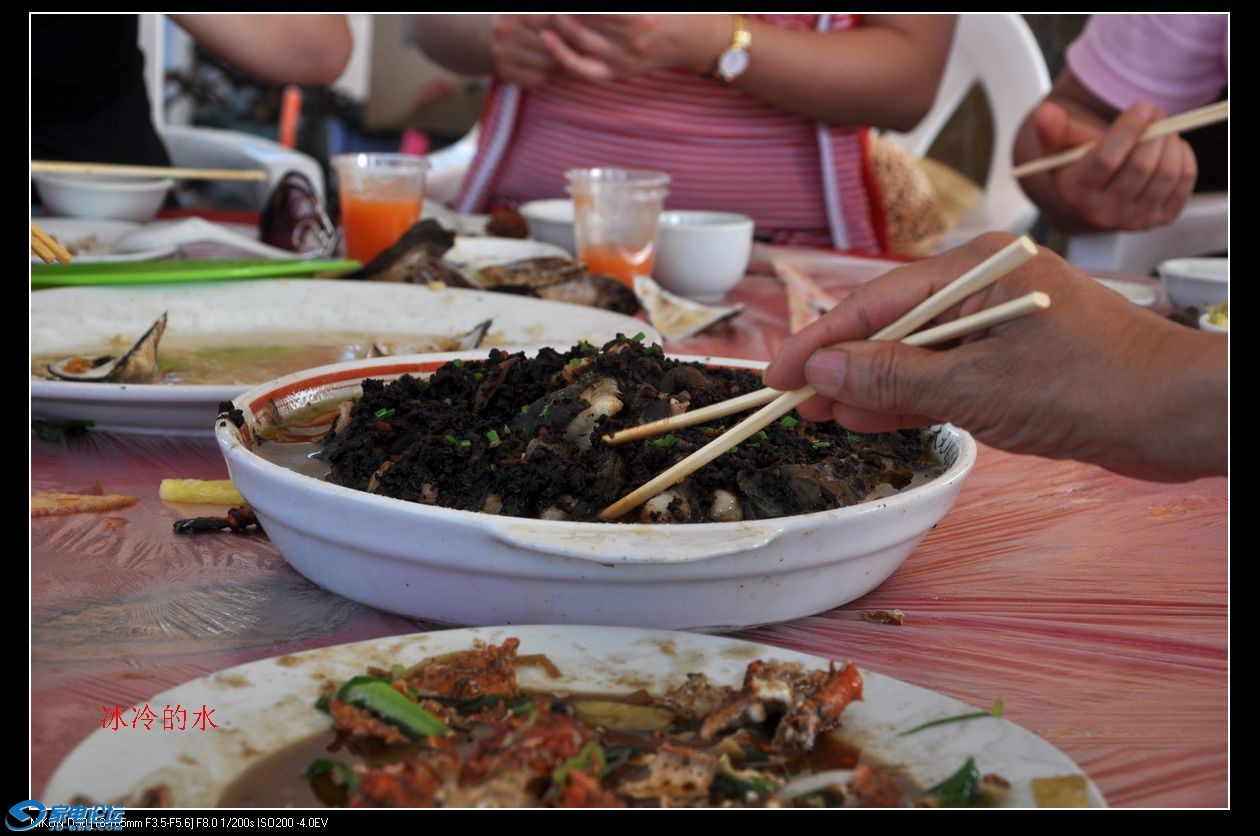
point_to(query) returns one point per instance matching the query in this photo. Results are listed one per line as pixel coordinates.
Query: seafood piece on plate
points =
(416, 258)
(675, 317)
(466, 341)
(810, 702)
(137, 364)
(560, 280)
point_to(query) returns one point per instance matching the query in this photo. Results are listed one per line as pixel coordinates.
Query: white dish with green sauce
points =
(252, 332)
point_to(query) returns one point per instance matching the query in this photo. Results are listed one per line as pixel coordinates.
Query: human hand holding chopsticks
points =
(1094, 377)
(1123, 182)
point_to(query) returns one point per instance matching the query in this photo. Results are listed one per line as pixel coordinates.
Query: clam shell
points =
(675, 317)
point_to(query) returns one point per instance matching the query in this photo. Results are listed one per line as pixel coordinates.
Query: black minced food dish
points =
(523, 437)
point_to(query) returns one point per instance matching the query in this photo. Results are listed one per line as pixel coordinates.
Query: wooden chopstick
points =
(988, 318)
(1188, 121)
(52, 167)
(979, 277)
(47, 247)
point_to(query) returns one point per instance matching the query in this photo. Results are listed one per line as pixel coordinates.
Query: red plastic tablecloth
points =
(1096, 606)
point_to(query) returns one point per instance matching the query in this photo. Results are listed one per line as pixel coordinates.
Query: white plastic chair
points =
(448, 166)
(999, 52)
(1202, 228)
(197, 147)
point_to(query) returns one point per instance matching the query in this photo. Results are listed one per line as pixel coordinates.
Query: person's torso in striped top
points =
(724, 149)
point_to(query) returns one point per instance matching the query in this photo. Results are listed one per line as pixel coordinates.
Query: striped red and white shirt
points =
(801, 181)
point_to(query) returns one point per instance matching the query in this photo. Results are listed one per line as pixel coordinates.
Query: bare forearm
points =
(298, 49)
(460, 43)
(883, 74)
(1187, 427)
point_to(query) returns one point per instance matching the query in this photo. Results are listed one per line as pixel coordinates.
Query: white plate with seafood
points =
(265, 323)
(91, 240)
(266, 706)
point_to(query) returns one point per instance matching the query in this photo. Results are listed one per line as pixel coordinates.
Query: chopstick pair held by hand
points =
(974, 280)
(1191, 119)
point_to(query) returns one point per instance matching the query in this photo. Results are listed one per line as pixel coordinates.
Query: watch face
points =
(732, 63)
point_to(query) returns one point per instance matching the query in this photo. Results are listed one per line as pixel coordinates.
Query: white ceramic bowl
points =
(119, 198)
(702, 255)
(1206, 324)
(1195, 282)
(460, 567)
(551, 221)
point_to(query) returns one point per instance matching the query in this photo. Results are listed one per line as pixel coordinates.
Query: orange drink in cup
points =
(615, 214)
(381, 197)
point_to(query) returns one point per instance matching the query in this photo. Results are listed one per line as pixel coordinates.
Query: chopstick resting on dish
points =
(974, 280)
(113, 170)
(47, 247)
(1188, 121)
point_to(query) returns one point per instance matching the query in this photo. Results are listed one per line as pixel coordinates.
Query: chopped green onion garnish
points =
(450, 439)
(733, 449)
(446, 401)
(478, 376)
(762, 435)
(525, 409)
(789, 422)
(819, 445)
(457, 363)
(494, 467)
(586, 348)
(576, 361)
(465, 443)
(651, 351)
(639, 337)
(493, 437)
(854, 438)
(592, 754)
(996, 711)
(546, 408)
(664, 443)
(398, 671)
(385, 413)
(415, 403)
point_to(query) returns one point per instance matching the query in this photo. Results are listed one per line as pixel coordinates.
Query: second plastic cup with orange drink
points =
(616, 212)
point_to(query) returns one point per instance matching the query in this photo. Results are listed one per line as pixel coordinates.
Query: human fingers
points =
(1146, 208)
(581, 66)
(587, 41)
(885, 385)
(1107, 158)
(868, 421)
(1058, 131)
(1179, 196)
(876, 304)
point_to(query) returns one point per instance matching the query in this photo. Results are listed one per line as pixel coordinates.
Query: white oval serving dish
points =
(460, 567)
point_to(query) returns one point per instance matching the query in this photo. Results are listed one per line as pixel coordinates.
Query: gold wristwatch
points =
(732, 63)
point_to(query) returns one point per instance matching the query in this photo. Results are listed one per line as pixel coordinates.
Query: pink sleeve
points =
(1176, 62)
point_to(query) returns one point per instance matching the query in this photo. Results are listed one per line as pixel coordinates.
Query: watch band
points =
(734, 61)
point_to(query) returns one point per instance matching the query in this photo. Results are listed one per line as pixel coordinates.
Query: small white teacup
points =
(702, 255)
